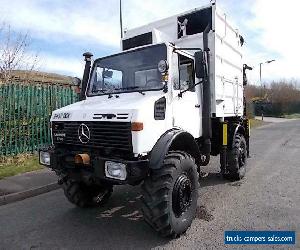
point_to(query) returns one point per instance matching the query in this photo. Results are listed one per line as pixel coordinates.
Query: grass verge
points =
(10, 166)
(292, 116)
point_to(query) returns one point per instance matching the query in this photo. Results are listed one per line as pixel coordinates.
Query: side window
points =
(186, 73)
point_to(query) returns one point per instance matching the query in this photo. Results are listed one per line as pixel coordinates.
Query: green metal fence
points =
(25, 111)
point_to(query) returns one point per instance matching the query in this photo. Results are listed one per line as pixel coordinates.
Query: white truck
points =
(154, 114)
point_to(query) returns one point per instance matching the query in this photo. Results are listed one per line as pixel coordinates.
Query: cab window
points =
(186, 73)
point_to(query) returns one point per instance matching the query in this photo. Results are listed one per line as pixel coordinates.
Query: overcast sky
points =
(61, 30)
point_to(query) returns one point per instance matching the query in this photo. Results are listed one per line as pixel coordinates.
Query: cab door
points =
(187, 105)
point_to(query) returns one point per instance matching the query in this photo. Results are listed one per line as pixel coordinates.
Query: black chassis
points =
(62, 162)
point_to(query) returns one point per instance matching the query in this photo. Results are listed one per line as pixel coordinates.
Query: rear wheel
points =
(86, 196)
(170, 194)
(237, 159)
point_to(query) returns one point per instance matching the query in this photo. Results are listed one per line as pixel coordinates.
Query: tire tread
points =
(155, 193)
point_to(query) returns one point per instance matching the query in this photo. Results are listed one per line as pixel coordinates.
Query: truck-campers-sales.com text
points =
(249, 239)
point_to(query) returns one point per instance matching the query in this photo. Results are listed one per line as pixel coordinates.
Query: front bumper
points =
(63, 164)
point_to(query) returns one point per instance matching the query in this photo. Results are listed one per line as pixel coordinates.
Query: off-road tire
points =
(237, 159)
(83, 196)
(160, 200)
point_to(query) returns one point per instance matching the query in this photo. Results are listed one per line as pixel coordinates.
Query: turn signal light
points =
(165, 77)
(137, 126)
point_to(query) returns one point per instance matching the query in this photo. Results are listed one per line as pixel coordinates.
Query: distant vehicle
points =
(153, 114)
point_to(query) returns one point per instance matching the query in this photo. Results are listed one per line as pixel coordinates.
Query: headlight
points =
(45, 158)
(162, 66)
(115, 170)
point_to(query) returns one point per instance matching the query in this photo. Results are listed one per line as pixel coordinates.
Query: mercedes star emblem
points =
(84, 133)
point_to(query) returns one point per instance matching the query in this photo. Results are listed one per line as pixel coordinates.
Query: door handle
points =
(197, 106)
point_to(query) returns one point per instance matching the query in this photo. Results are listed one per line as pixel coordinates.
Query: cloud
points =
(269, 26)
(92, 20)
(62, 65)
(275, 24)
(59, 21)
(78, 24)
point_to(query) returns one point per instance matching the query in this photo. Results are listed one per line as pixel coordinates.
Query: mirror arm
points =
(181, 92)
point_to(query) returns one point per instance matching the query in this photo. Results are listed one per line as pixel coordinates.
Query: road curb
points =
(9, 198)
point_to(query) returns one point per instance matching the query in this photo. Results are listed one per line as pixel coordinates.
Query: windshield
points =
(130, 71)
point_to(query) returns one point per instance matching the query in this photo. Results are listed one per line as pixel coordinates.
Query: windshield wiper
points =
(99, 90)
(132, 87)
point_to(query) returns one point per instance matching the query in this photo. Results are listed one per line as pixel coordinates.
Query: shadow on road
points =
(119, 224)
(213, 179)
(120, 220)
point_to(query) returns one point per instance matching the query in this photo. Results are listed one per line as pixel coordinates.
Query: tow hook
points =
(100, 196)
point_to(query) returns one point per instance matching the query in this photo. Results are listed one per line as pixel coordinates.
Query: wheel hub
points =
(182, 195)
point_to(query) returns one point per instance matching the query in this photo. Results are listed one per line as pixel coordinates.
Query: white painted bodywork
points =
(183, 112)
(138, 107)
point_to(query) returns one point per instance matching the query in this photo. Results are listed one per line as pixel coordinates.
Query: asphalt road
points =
(267, 199)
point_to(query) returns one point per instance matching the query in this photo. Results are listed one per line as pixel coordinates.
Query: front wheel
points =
(170, 194)
(237, 159)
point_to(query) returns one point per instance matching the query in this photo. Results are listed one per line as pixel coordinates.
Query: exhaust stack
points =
(86, 74)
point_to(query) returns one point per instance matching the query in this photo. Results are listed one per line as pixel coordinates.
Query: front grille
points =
(108, 135)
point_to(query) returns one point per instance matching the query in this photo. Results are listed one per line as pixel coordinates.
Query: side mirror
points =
(76, 82)
(107, 74)
(199, 65)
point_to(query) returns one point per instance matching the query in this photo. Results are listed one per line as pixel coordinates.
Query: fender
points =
(175, 139)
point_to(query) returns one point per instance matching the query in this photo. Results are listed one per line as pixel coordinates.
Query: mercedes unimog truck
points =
(153, 114)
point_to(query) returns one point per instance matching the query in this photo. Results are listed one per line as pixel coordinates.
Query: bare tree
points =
(14, 53)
